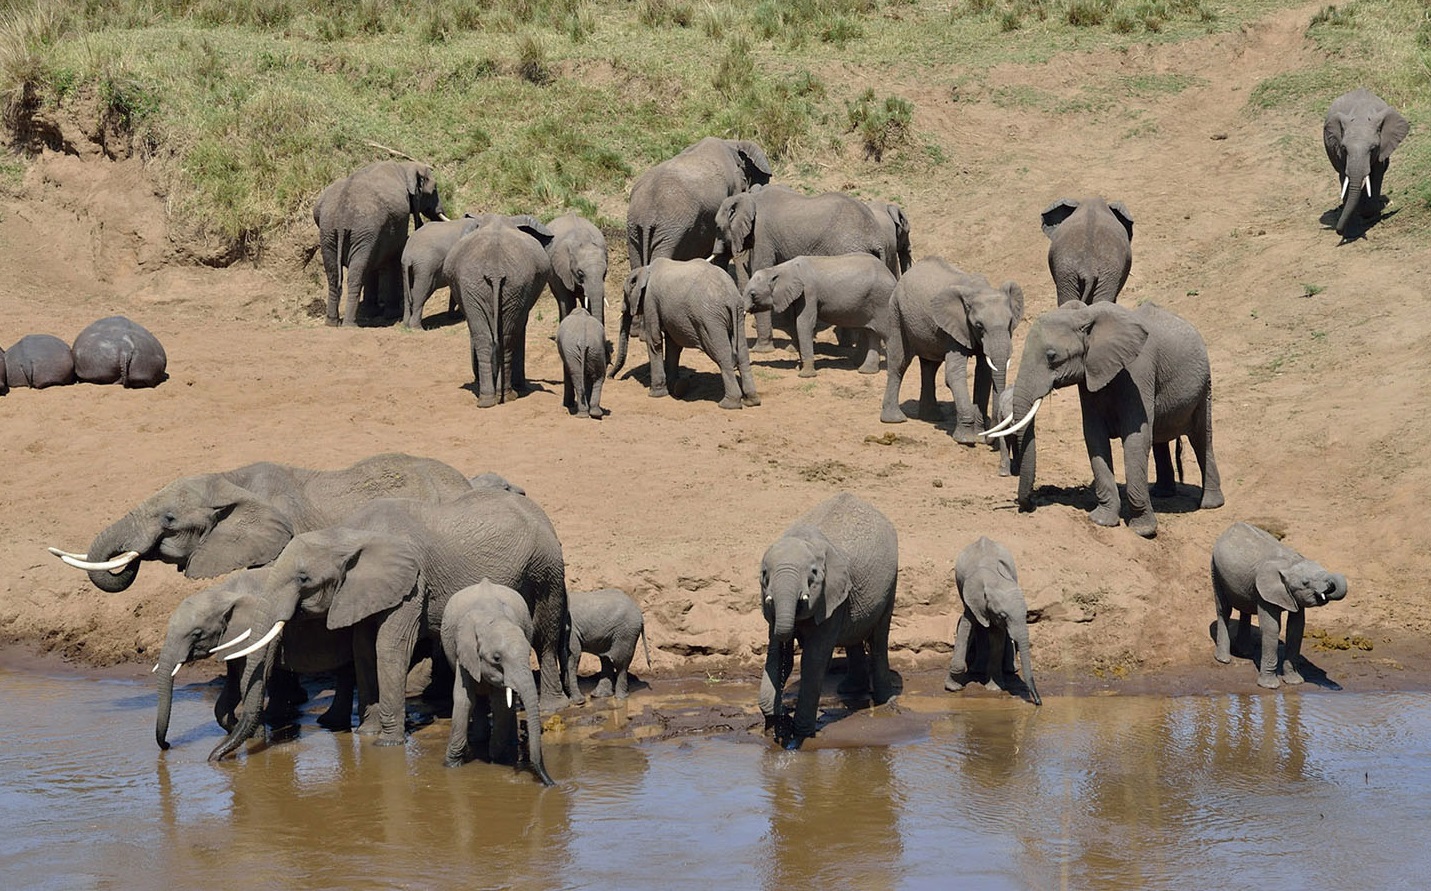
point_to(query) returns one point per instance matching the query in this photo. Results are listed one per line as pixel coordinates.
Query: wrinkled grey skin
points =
(487, 636)
(688, 303)
(39, 361)
(578, 276)
(201, 622)
(850, 291)
(497, 272)
(994, 608)
(422, 258)
(895, 226)
(362, 227)
(1360, 133)
(1090, 251)
(1143, 377)
(1253, 570)
(117, 350)
(773, 224)
(673, 205)
(828, 581)
(388, 572)
(216, 523)
(490, 480)
(581, 341)
(607, 623)
(939, 313)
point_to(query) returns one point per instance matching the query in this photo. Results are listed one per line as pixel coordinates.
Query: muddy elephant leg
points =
(464, 693)
(748, 396)
(928, 401)
(1296, 624)
(1201, 438)
(593, 401)
(333, 270)
(1242, 639)
(896, 362)
(365, 677)
(998, 643)
(814, 663)
(1100, 457)
(482, 360)
(606, 686)
(1222, 647)
(857, 671)
(881, 679)
(396, 638)
(1141, 518)
(1269, 620)
(956, 378)
(722, 354)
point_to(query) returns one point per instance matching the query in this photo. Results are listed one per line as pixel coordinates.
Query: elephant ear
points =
(248, 531)
(1272, 586)
(419, 183)
(533, 227)
(635, 289)
(975, 595)
(1054, 215)
(1016, 303)
(378, 572)
(740, 221)
(1120, 211)
(786, 286)
(1393, 129)
(951, 313)
(1115, 339)
(564, 264)
(837, 582)
(754, 165)
(1332, 133)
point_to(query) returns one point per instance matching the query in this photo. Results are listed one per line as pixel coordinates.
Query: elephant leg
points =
(333, 271)
(956, 378)
(928, 402)
(396, 638)
(748, 396)
(622, 667)
(1166, 483)
(896, 362)
(721, 352)
(517, 379)
(463, 694)
(672, 362)
(814, 663)
(1201, 438)
(227, 703)
(657, 353)
(285, 694)
(984, 407)
(881, 680)
(805, 338)
(764, 342)
(390, 291)
(593, 401)
(857, 671)
(1100, 457)
(569, 398)
(772, 683)
(365, 672)
(1222, 648)
(483, 358)
(605, 687)
(1269, 621)
(502, 748)
(1371, 208)
(339, 715)
(959, 662)
(1242, 640)
(1141, 518)
(867, 342)
(1296, 624)
(998, 642)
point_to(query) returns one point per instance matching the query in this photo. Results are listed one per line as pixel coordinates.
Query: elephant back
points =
(369, 198)
(116, 349)
(870, 543)
(39, 361)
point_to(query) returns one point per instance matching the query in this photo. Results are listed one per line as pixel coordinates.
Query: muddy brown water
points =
(1305, 789)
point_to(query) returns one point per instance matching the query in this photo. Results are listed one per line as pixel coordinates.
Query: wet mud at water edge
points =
(1294, 789)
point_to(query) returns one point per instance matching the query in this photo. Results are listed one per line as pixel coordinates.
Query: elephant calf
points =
(581, 340)
(39, 361)
(994, 613)
(422, 258)
(850, 291)
(118, 350)
(607, 623)
(1252, 569)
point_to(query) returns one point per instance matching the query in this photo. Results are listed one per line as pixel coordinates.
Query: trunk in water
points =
(253, 686)
(165, 672)
(1020, 636)
(1357, 171)
(110, 543)
(528, 692)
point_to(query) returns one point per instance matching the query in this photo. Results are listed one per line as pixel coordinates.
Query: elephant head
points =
(422, 196)
(804, 577)
(982, 319)
(205, 525)
(1360, 133)
(1295, 585)
(775, 288)
(633, 302)
(735, 224)
(1079, 344)
(495, 652)
(893, 220)
(580, 265)
(993, 597)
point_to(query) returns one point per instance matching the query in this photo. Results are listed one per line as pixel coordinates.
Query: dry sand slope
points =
(1315, 396)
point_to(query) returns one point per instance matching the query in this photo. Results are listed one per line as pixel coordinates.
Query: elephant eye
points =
(169, 521)
(497, 657)
(304, 578)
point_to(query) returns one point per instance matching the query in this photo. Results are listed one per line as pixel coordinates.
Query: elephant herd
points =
(112, 350)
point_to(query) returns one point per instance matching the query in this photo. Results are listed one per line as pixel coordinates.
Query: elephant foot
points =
(762, 346)
(449, 761)
(486, 401)
(659, 392)
(1163, 490)
(853, 686)
(332, 321)
(1105, 515)
(369, 727)
(993, 686)
(869, 367)
(750, 401)
(1268, 680)
(511, 395)
(603, 690)
(807, 372)
(553, 703)
(1145, 525)
(1211, 500)
(596, 412)
(335, 722)
(966, 435)
(384, 740)
(730, 402)
(1291, 675)
(1222, 657)
(892, 416)
(952, 685)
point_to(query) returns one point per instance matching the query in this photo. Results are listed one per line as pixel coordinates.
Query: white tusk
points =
(233, 643)
(1008, 363)
(1367, 182)
(1027, 419)
(992, 367)
(1346, 181)
(999, 426)
(509, 697)
(177, 666)
(262, 642)
(604, 302)
(442, 217)
(711, 259)
(155, 668)
(59, 553)
(113, 565)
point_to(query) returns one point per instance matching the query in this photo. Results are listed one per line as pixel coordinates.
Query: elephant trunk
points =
(786, 593)
(252, 687)
(1019, 634)
(165, 671)
(1339, 587)
(527, 689)
(117, 539)
(1357, 171)
(620, 358)
(1035, 381)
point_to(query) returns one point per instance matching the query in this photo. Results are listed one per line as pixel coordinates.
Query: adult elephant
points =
(942, 314)
(828, 581)
(388, 571)
(201, 623)
(578, 266)
(774, 224)
(497, 271)
(1360, 133)
(673, 205)
(215, 523)
(1143, 377)
(362, 227)
(422, 260)
(1090, 251)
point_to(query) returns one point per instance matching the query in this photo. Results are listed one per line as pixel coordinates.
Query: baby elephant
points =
(487, 636)
(39, 361)
(994, 612)
(1252, 569)
(850, 291)
(582, 343)
(607, 623)
(117, 350)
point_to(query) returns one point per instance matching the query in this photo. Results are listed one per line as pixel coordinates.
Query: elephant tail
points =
(1087, 288)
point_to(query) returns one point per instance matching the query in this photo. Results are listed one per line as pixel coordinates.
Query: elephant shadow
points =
(534, 385)
(786, 358)
(1358, 226)
(689, 385)
(1187, 499)
(445, 319)
(1312, 674)
(849, 703)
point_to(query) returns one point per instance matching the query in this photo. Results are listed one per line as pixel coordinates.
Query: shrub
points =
(881, 125)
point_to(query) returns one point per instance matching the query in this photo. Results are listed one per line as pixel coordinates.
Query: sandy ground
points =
(675, 500)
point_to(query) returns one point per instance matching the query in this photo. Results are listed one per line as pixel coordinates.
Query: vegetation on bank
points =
(247, 108)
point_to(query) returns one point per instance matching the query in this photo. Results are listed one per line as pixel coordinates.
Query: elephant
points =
(388, 571)
(607, 623)
(577, 253)
(201, 622)
(848, 290)
(422, 260)
(895, 226)
(582, 343)
(775, 224)
(673, 205)
(1251, 569)
(1090, 250)
(941, 314)
(1360, 133)
(213, 524)
(487, 637)
(490, 480)
(828, 581)
(117, 350)
(497, 272)
(688, 303)
(994, 611)
(362, 227)
(1143, 376)
(39, 361)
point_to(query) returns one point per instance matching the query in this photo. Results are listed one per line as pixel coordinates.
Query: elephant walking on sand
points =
(1090, 251)
(1360, 133)
(362, 227)
(994, 612)
(607, 624)
(828, 581)
(422, 260)
(1253, 570)
(581, 341)
(1143, 377)
(487, 637)
(683, 304)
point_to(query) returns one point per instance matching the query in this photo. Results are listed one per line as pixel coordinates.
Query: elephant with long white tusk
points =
(1360, 133)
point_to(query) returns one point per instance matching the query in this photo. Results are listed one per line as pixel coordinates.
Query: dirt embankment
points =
(1319, 353)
